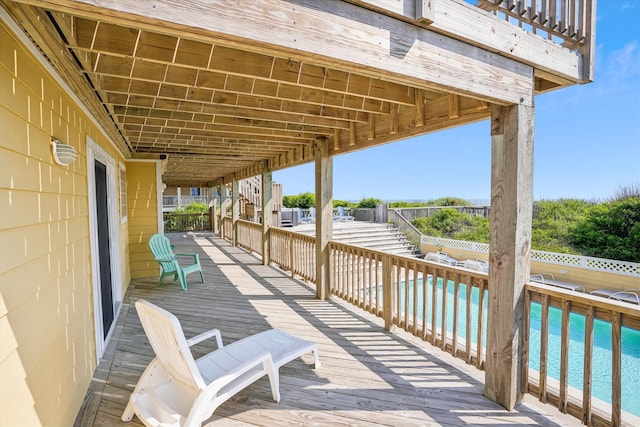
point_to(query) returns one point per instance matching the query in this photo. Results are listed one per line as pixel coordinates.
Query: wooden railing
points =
(568, 20)
(583, 309)
(446, 306)
(249, 235)
(174, 222)
(226, 228)
(295, 252)
(173, 202)
(440, 304)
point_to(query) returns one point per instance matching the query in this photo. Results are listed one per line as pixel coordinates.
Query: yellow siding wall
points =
(142, 193)
(47, 340)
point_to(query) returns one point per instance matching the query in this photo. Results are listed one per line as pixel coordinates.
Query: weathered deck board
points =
(368, 376)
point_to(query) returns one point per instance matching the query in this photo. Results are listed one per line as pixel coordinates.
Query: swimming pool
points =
(601, 366)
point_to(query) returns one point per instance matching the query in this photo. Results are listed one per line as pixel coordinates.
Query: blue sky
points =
(587, 138)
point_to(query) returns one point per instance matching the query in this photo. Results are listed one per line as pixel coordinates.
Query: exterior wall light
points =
(63, 154)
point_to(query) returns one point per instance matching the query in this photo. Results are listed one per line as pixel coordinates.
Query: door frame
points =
(95, 152)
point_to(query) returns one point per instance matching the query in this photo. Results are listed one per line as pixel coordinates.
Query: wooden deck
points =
(368, 376)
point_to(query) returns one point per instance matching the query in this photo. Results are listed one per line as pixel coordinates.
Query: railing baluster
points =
(456, 296)
(481, 298)
(380, 283)
(587, 374)
(616, 379)
(397, 289)
(468, 326)
(407, 291)
(434, 305)
(415, 298)
(526, 326)
(564, 355)
(445, 285)
(425, 297)
(544, 339)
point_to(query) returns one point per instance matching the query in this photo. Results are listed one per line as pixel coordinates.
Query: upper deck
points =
(220, 89)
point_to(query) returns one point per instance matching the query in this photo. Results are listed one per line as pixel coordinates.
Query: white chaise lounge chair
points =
(474, 264)
(626, 296)
(176, 390)
(441, 258)
(548, 279)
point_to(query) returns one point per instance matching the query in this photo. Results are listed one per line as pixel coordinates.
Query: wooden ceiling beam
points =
(332, 33)
(232, 112)
(358, 94)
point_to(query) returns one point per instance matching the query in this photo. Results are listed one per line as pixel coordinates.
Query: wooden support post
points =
(235, 209)
(510, 248)
(267, 209)
(388, 302)
(324, 215)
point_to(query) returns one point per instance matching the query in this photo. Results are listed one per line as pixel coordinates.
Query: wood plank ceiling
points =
(217, 111)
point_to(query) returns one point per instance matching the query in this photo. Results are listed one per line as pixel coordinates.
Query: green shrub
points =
(448, 201)
(343, 203)
(553, 221)
(610, 230)
(193, 208)
(452, 224)
(302, 200)
(400, 204)
(290, 201)
(370, 202)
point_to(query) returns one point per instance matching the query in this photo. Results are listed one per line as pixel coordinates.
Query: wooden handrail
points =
(360, 276)
(250, 235)
(226, 228)
(293, 251)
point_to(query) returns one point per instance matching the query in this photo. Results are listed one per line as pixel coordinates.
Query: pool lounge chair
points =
(474, 264)
(549, 280)
(626, 296)
(441, 258)
(176, 390)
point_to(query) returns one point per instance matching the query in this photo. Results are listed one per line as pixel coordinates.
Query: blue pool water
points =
(601, 365)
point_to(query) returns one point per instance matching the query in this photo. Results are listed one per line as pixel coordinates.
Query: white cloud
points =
(621, 67)
(626, 6)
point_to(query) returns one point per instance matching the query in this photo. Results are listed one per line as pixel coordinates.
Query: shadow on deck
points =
(368, 376)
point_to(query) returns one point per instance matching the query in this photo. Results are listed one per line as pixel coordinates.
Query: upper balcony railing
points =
(567, 22)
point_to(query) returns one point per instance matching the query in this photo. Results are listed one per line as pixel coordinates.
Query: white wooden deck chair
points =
(176, 390)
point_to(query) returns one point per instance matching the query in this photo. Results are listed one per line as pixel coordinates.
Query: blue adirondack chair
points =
(163, 253)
